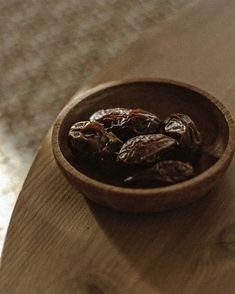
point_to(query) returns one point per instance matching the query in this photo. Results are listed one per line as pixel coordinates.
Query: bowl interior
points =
(161, 98)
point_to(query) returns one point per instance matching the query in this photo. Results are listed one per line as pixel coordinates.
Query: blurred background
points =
(48, 50)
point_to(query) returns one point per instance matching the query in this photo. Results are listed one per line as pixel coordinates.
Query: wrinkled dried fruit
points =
(127, 123)
(154, 154)
(90, 140)
(103, 114)
(183, 129)
(145, 149)
(162, 173)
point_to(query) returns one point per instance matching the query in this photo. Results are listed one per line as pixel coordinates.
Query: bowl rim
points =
(222, 162)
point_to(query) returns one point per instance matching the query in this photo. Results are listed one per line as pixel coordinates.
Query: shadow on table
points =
(170, 249)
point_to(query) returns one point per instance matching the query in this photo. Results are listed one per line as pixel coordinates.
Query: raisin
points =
(127, 123)
(91, 141)
(163, 173)
(145, 149)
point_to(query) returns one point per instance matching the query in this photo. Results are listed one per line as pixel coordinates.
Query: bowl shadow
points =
(168, 250)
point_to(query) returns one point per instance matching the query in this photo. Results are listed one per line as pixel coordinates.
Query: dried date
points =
(103, 115)
(183, 129)
(154, 153)
(163, 173)
(127, 123)
(91, 141)
(145, 149)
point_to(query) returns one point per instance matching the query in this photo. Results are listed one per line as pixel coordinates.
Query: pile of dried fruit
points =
(152, 152)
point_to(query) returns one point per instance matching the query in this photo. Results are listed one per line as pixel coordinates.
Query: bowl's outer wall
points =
(146, 203)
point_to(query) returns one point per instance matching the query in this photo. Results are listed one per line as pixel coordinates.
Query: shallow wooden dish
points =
(161, 97)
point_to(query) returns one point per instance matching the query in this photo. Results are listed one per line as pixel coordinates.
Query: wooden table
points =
(60, 243)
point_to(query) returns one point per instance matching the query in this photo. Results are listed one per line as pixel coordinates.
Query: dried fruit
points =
(162, 173)
(103, 115)
(154, 153)
(145, 149)
(127, 123)
(90, 140)
(183, 129)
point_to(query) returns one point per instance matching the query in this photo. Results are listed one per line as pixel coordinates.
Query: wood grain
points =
(59, 243)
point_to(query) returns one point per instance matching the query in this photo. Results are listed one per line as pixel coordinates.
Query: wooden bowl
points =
(161, 97)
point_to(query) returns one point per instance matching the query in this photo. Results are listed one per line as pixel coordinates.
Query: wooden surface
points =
(59, 243)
